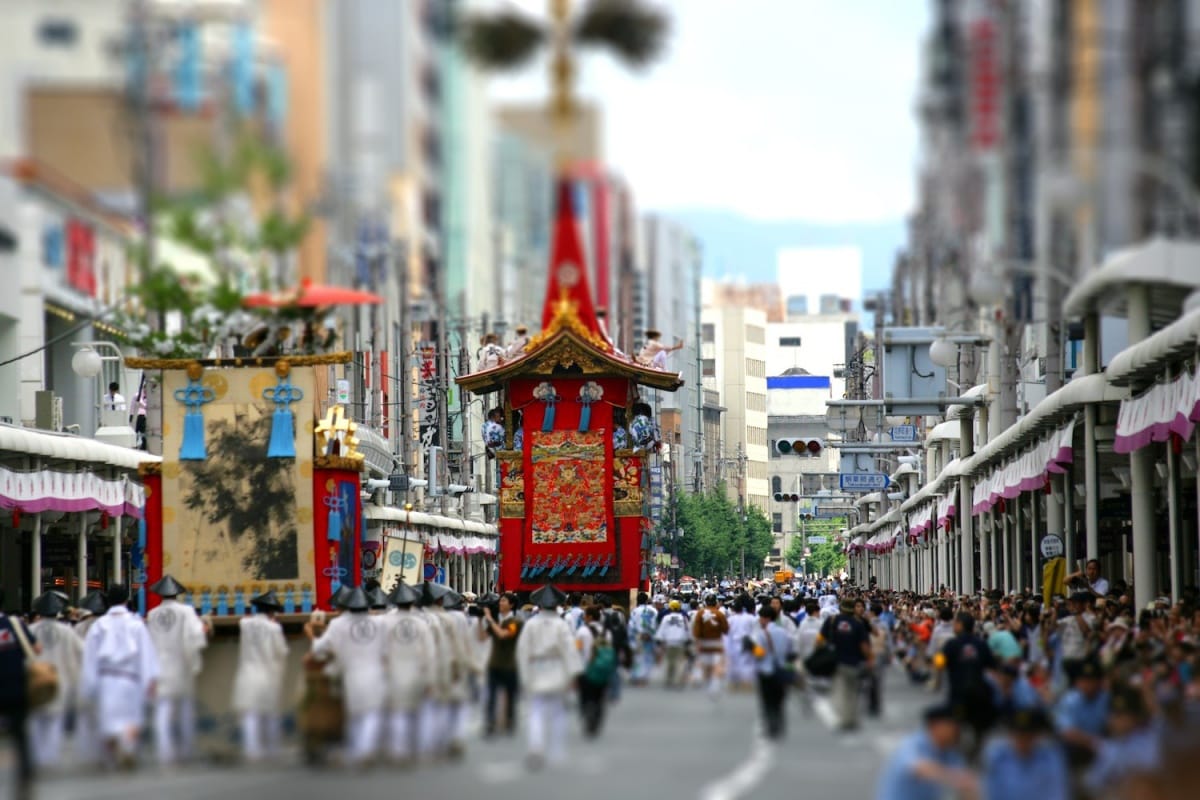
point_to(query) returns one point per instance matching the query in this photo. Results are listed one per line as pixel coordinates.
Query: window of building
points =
(57, 33)
(756, 368)
(708, 333)
(756, 334)
(789, 341)
(756, 401)
(777, 522)
(708, 367)
(756, 470)
(756, 436)
(776, 484)
(775, 552)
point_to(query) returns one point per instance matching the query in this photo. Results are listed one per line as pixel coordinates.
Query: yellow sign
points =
(1054, 575)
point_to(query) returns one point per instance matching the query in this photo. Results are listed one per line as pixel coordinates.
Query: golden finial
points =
(337, 427)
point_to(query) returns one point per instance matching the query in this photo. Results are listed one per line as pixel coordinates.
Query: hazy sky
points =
(775, 109)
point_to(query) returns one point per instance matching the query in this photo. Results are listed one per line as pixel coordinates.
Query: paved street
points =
(657, 744)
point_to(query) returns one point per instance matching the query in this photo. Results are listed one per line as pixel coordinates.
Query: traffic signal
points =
(783, 497)
(799, 446)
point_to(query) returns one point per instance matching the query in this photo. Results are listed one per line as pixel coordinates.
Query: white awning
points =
(414, 518)
(869, 499)
(1170, 268)
(1048, 415)
(944, 432)
(67, 447)
(1150, 357)
(956, 411)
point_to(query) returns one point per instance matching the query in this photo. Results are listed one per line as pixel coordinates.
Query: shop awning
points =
(1154, 415)
(15, 439)
(1150, 357)
(1170, 268)
(944, 432)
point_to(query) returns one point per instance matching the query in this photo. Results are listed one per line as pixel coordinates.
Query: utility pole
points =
(404, 371)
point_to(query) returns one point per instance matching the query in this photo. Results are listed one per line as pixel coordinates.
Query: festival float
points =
(573, 505)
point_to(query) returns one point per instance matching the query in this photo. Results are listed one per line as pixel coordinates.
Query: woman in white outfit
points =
(742, 668)
(62, 648)
(88, 749)
(548, 663)
(258, 683)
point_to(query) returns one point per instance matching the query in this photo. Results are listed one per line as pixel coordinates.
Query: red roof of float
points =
(570, 328)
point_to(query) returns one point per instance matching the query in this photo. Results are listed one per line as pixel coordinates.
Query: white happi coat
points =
(262, 656)
(411, 658)
(62, 648)
(357, 641)
(119, 667)
(453, 626)
(547, 659)
(443, 654)
(178, 636)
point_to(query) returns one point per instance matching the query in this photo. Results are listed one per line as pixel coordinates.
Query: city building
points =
(733, 358)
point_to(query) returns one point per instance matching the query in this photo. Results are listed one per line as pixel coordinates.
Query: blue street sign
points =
(817, 540)
(903, 433)
(441, 575)
(863, 481)
(431, 570)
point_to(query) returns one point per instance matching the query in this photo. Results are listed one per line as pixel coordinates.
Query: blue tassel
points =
(335, 523)
(289, 603)
(607, 564)
(192, 448)
(239, 603)
(283, 426)
(306, 601)
(283, 435)
(205, 603)
(585, 417)
(193, 396)
(223, 604)
(548, 419)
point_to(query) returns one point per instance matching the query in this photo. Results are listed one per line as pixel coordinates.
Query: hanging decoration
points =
(336, 435)
(335, 506)
(283, 425)
(546, 393)
(589, 393)
(193, 396)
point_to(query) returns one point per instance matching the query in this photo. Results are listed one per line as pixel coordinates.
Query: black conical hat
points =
(491, 598)
(549, 596)
(93, 602)
(356, 600)
(166, 586)
(377, 598)
(452, 600)
(432, 592)
(267, 601)
(339, 597)
(404, 595)
(50, 604)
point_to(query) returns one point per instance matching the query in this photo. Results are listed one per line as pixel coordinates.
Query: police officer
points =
(968, 661)
(929, 762)
(1026, 761)
(1082, 713)
(1133, 747)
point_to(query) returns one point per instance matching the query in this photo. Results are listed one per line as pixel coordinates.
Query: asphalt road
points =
(657, 743)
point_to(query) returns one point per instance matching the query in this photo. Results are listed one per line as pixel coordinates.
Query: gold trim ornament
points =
(336, 433)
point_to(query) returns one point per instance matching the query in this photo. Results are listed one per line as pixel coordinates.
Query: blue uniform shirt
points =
(1022, 697)
(899, 782)
(1008, 776)
(1117, 758)
(1076, 712)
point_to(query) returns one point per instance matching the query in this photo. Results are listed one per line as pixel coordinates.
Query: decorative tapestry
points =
(569, 476)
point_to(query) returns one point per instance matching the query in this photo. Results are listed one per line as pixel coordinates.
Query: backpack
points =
(603, 663)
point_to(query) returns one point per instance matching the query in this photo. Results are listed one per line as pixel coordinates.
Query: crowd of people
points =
(1082, 696)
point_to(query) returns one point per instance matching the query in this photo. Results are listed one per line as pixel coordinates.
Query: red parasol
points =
(311, 295)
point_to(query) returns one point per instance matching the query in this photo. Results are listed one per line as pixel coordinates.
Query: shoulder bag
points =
(41, 677)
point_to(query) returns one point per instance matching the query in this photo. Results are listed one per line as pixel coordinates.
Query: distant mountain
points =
(735, 245)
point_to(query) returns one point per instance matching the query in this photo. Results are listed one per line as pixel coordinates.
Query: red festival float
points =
(572, 506)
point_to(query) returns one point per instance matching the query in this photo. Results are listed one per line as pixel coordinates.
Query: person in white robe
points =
(411, 661)
(548, 663)
(179, 637)
(432, 717)
(258, 682)
(516, 348)
(491, 354)
(62, 648)
(464, 667)
(356, 641)
(654, 353)
(742, 669)
(120, 669)
(88, 747)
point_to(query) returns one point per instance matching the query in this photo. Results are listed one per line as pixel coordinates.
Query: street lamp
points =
(88, 363)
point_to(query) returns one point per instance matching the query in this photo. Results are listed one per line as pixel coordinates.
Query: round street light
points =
(987, 288)
(943, 352)
(86, 363)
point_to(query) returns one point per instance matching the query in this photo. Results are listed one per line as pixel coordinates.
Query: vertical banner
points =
(337, 556)
(151, 557)
(656, 493)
